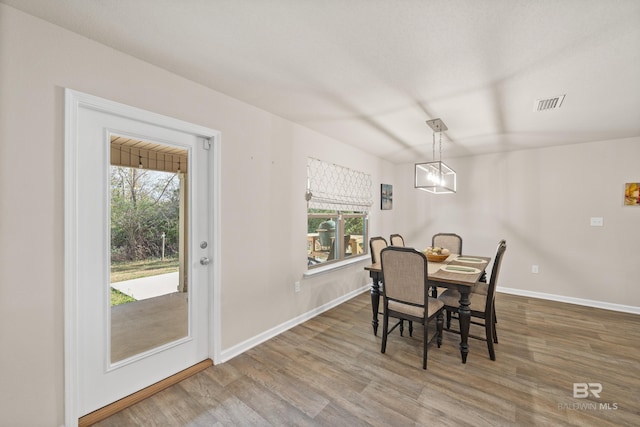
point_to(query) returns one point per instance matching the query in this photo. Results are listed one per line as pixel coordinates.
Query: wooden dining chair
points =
(482, 304)
(376, 245)
(406, 296)
(450, 241)
(396, 240)
(345, 246)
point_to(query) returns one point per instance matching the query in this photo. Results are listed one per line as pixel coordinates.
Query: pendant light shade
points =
(435, 177)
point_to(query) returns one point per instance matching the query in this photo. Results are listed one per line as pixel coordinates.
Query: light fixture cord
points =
(433, 147)
(440, 162)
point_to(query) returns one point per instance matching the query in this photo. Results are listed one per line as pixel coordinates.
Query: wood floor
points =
(329, 372)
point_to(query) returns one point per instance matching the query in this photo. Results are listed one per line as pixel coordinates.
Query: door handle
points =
(204, 260)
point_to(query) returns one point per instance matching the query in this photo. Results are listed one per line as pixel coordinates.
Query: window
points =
(335, 235)
(338, 200)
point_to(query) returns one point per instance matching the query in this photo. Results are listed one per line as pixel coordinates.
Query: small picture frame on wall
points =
(632, 194)
(386, 197)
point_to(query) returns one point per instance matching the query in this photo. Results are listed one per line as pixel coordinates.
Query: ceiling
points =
(371, 72)
(130, 152)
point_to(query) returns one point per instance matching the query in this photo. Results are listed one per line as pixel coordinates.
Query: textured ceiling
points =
(371, 72)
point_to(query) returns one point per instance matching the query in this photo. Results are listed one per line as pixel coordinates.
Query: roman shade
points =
(338, 188)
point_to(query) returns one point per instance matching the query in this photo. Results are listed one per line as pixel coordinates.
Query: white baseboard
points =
(240, 348)
(571, 300)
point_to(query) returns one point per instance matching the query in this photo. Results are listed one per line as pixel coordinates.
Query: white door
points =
(91, 129)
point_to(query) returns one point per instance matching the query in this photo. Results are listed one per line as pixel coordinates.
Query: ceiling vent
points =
(547, 104)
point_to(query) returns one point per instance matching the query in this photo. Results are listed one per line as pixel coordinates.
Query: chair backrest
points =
(451, 241)
(495, 272)
(404, 274)
(345, 245)
(396, 240)
(376, 244)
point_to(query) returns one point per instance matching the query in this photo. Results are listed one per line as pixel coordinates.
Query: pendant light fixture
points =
(435, 177)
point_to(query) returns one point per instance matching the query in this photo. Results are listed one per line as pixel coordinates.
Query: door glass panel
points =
(148, 281)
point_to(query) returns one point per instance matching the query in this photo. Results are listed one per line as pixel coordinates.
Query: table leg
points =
(375, 300)
(464, 314)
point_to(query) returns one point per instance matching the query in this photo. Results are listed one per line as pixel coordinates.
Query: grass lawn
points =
(121, 271)
(118, 297)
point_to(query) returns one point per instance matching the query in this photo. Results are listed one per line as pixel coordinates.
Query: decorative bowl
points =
(436, 258)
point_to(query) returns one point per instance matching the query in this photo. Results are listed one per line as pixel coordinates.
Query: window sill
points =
(336, 265)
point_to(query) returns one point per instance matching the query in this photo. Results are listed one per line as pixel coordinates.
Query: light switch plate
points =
(597, 221)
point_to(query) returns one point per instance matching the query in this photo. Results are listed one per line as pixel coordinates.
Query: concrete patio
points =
(149, 287)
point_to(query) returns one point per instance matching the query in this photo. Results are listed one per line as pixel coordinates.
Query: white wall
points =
(541, 202)
(263, 211)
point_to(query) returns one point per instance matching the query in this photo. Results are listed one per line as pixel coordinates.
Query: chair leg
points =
(410, 328)
(385, 328)
(489, 328)
(434, 292)
(401, 327)
(439, 324)
(448, 320)
(424, 351)
(495, 334)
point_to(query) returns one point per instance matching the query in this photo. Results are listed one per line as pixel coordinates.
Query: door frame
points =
(75, 100)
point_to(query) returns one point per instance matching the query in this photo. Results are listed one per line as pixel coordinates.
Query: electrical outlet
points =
(597, 221)
(535, 269)
(296, 287)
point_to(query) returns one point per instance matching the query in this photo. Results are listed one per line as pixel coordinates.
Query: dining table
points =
(455, 272)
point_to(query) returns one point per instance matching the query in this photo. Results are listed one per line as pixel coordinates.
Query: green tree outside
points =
(144, 205)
